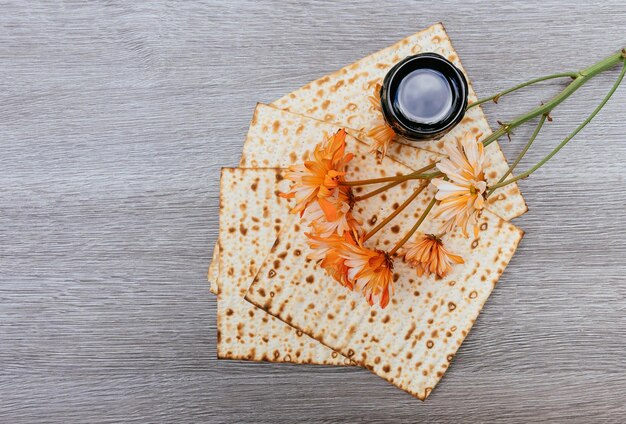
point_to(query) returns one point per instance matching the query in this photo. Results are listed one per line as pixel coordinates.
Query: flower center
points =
(331, 179)
(375, 262)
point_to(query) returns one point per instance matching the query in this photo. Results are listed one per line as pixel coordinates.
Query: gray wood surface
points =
(115, 118)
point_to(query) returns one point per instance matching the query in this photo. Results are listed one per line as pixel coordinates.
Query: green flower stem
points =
(569, 137)
(522, 153)
(415, 175)
(377, 191)
(580, 78)
(497, 96)
(395, 183)
(398, 178)
(395, 213)
(415, 227)
(583, 76)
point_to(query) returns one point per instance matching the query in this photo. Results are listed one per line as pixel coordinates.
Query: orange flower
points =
(337, 219)
(428, 255)
(319, 178)
(371, 272)
(382, 134)
(461, 196)
(326, 250)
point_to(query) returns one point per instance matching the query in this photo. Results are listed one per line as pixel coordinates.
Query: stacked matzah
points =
(313, 319)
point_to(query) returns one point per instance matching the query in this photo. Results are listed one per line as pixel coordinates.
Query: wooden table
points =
(115, 118)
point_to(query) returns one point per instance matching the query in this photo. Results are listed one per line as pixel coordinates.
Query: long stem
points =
(497, 96)
(395, 213)
(377, 191)
(522, 153)
(397, 179)
(570, 136)
(431, 175)
(415, 227)
(583, 76)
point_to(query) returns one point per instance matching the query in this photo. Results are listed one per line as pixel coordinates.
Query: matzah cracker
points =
(251, 215)
(412, 342)
(213, 274)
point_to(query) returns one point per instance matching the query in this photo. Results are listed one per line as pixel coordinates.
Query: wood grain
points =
(115, 118)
